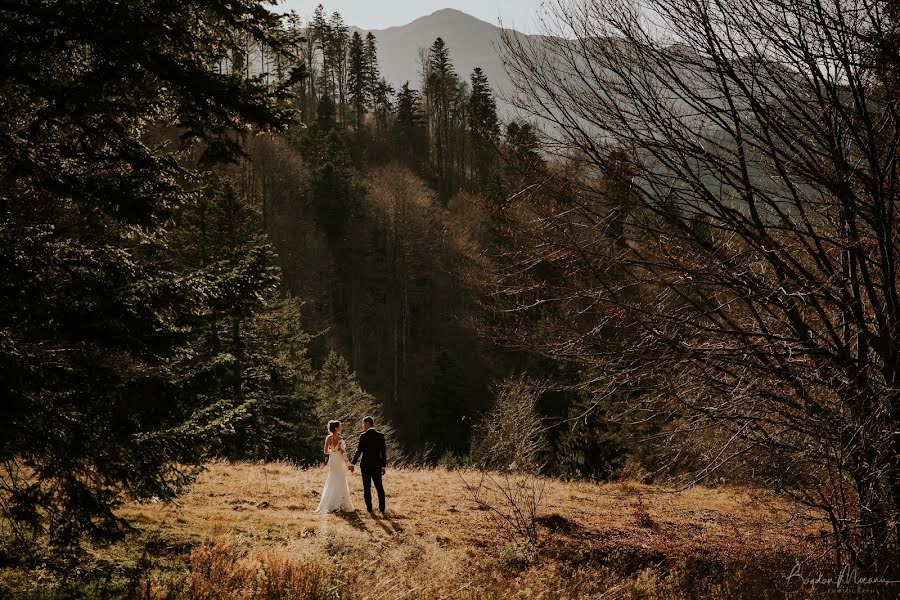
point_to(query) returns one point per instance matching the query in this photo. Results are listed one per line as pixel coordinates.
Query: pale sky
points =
(380, 14)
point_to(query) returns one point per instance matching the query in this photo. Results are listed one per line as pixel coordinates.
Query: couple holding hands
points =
(372, 449)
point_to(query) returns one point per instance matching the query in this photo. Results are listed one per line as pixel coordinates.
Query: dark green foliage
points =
(278, 385)
(334, 190)
(372, 73)
(519, 163)
(522, 145)
(441, 88)
(485, 127)
(101, 392)
(590, 444)
(410, 136)
(445, 413)
(483, 108)
(341, 397)
(386, 287)
(325, 115)
(357, 81)
(382, 106)
(334, 196)
(251, 334)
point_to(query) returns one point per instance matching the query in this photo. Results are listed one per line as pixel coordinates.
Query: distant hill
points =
(472, 42)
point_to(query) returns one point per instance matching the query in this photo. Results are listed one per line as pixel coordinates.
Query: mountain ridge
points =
(444, 13)
(472, 43)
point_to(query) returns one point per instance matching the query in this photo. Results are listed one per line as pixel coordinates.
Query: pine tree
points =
(485, 127)
(357, 80)
(338, 49)
(342, 398)
(322, 39)
(445, 410)
(441, 87)
(250, 334)
(278, 386)
(334, 189)
(382, 105)
(373, 75)
(409, 132)
(409, 110)
(522, 161)
(100, 395)
(326, 114)
(339, 394)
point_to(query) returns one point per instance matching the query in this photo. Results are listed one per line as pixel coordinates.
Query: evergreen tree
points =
(249, 353)
(278, 385)
(409, 131)
(338, 49)
(441, 86)
(373, 75)
(341, 397)
(321, 36)
(357, 80)
(522, 161)
(522, 144)
(100, 395)
(445, 411)
(485, 127)
(334, 189)
(339, 394)
(590, 445)
(325, 114)
(382, 105)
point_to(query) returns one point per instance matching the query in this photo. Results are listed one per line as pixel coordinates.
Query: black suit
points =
(374, 458)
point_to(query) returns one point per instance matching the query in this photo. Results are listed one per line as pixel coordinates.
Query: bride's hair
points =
(332, 425)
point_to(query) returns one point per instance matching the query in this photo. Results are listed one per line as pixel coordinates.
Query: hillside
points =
(628, 540)
(472, 42)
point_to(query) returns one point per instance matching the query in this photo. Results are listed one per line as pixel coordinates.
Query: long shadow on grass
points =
(389, 524)
(354, 520)
(392, 520)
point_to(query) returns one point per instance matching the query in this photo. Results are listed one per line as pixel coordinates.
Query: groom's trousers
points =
(370, 476)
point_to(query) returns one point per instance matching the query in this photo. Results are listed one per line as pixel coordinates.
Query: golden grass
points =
(252, 529)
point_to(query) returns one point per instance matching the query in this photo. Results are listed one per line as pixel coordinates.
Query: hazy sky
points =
(380, 14)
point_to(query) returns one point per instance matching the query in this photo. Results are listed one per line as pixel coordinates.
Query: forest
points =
(374, 201)
(380, 205)
(215, 245)
(222, 227)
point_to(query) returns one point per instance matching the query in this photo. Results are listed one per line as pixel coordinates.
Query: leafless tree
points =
(514, 501)
(727, 253)
(511, 436)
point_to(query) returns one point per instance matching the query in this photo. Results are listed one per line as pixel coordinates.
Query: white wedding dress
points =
(336, 493)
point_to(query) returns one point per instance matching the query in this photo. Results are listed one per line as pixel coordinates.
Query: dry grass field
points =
(248, 531)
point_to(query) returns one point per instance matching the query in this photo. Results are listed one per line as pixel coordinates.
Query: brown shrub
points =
(222, 571)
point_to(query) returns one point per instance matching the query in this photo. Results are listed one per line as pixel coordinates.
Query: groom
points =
(374, 460)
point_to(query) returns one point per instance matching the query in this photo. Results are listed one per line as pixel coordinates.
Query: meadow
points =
(248, 530)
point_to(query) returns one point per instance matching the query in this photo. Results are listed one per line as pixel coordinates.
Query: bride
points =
(336, 493)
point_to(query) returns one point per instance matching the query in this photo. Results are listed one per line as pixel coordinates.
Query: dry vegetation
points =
(248, 530)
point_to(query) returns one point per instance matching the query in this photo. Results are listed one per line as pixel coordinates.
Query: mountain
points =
(472, 42)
